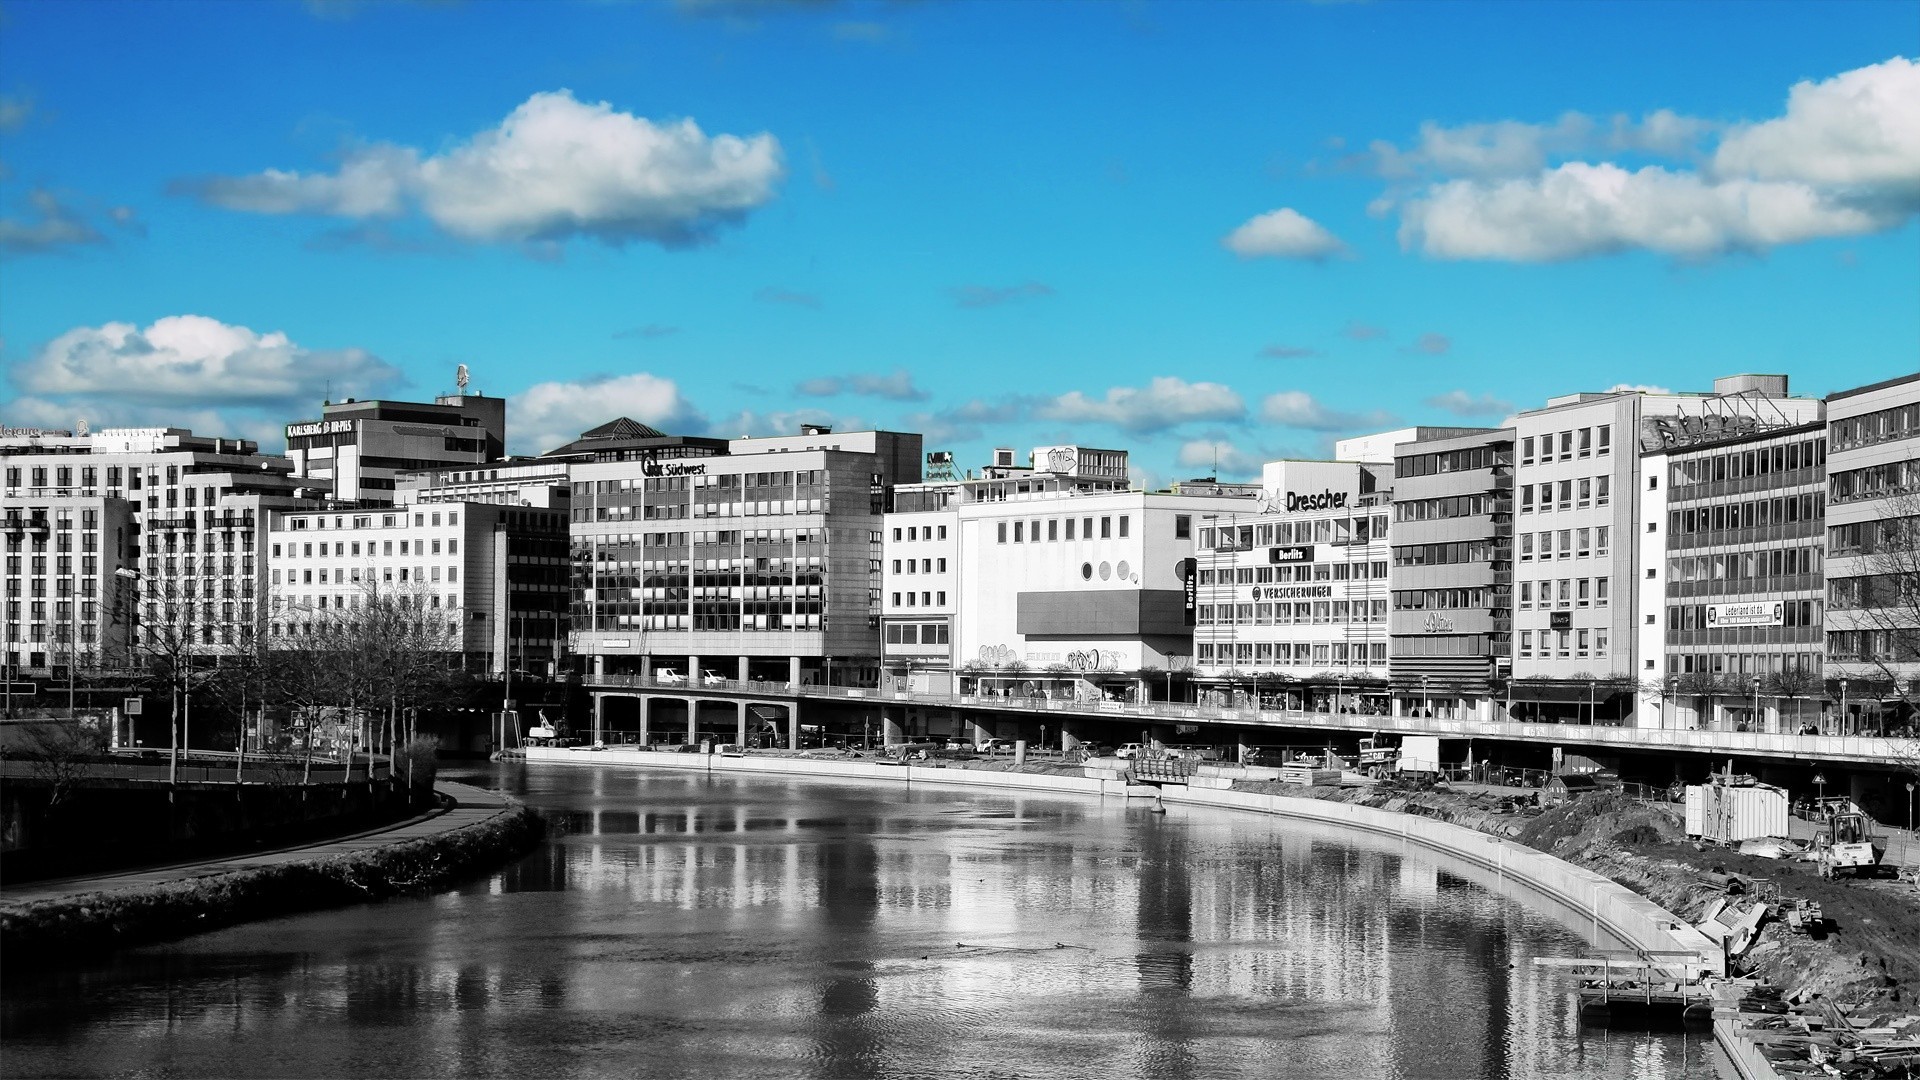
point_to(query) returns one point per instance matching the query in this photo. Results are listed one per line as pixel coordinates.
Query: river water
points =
(675, 925)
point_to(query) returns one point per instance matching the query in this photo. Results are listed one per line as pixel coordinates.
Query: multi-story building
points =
(361, 447)
(499, 573)
(1731, 602)
(199, 519)
(755, 557)
(920, 584)
(69, 572)
(508, 482)
(1580, 534)
(1873, 553)
(1452, 576)
(1292, 590)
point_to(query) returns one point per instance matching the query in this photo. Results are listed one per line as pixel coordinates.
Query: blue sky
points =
(1151, 226)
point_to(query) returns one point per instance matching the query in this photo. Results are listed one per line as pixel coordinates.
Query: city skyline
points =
(1112, 225)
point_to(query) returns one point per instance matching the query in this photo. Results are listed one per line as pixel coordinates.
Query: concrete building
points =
(1873, 553)
(499, 573)
(751, 558)
(69, 600)
(199, 507)
(537, 482)
(1731, 626)
(360, 448)
(1293, 589)
(1452, 614)
(1580, 534)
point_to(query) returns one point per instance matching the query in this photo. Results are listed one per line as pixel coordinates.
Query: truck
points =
(1844, 845)
(1418, 754)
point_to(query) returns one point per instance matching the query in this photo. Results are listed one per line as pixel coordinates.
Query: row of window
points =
(1854, 646)
(1694, 616)
(918, 633)
(1899, 422)
(921, 532)
(1747, 664)
(1335, 653)
(351, 575)
(1566, 593)
(1752, 514)
(1565, 644)
(920, 599)
(1452, 506)
(1875, 481)
(758, 622)
(1451, 461)
(681, 511)
(1024, 532)
(1270, 575)
(365, 521)
(1458, 551)
(1746, 565)
(1284, 614)
(1870, 537)
(343, 549)
(1736, 464)
(1900, 591)
(921, 566)
(1575, 494)
(1566, 543)
(1444, 599)
(1361, 529)
(1580, 442)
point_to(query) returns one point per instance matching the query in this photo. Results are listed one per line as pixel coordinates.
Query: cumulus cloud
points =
(1461, 403)
(195, 359)
(53, 226)
(981, 296)
(775, 295)
(1844, 160)
(897, 386)
(551, 414)
(1299, 409)
(1289, 352)
(1283, 234)
(1220, 458)
(556, 168)
(1431, 344)
(1163, 403)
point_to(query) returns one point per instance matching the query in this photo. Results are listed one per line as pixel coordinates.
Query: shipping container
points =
(1728, 814)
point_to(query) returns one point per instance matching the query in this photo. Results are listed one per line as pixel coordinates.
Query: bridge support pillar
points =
(646, 718)
(693, 671)
(1072, 734)
(891, 730)
(599, 716)
(1241, 751)
(793, 671)
(1157, 736)
(693, 718)
(740, 735)
(793, 722)
(746, 668)
(977, 732)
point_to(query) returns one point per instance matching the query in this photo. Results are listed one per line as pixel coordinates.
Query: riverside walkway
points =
(471, 806)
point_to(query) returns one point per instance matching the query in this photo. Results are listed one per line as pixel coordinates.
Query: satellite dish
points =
(460, 376)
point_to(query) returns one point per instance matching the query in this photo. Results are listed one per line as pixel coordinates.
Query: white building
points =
(361, 448)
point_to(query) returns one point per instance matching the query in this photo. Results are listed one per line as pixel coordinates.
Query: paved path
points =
(472, 806)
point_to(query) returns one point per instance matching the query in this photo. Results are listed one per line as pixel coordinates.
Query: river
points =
(675, 925)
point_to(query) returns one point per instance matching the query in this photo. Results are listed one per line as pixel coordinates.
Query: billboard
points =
(1760, 613)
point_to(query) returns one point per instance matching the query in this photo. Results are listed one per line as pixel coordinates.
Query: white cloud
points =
(1844, 160)
(1461, 403)
(781, 422)
(1508, 148)
(1232, 460)
(1163, 403)
(194, 359)
(1283, 234)
(1637, 388)
(1579, 210)
(1858, 130)
(554, 169)
(552, 414)
(1297, 408)
(895, 387)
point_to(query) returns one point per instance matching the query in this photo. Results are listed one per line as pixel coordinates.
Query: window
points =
(1526, 450)
(896, 566)
(1580, 592)
(1583, 548)
(1526, 498)
(1566, 494)
(942, 564)
(1566, 445)
(1586, 491)
(1526, 636)
(1602, 486)
(943, 532)
(1586, 442)
(1606, 440)
(1053, 529)
(1600, 539)
(896, 599)
(1003, 533)
(1600, 592)
(1599, 643)
(1106, 528)
(1182, 527)
(1124, 520)
(1019, 530)
(1526, 595)
(1652, 526)
(1584, 636)
(1566, 543)
(1526, 547)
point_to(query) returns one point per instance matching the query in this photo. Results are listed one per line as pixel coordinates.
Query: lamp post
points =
(1756, 704)
(1909, 806)
(1426, 697)
(1820, 785)
(1670, 713)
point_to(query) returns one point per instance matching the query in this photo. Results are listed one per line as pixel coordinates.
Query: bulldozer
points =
(1844, 845)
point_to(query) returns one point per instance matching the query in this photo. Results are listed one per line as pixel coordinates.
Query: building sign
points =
(1280, 556)
(1189, 591)
(1316, 500)
(1438, 624)
(673, 468)
(1291, 592)
(997, 655)
(1668, 432)
(1762, 613)
(319, 427)
(1560, 620)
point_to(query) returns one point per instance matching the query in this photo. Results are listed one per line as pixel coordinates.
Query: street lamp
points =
(1820, 785)
(1842, 727)
(1756, 704)
(1909, 806)
(1426, 696)
(1667, 706)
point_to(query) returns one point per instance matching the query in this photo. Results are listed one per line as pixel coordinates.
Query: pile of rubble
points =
(1820, 1038)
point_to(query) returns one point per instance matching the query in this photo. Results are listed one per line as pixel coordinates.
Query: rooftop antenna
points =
(460, 378)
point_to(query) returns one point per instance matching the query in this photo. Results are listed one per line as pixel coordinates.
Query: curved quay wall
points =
(1593, 898)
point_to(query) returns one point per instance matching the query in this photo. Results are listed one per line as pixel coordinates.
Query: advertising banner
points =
(1760, 613)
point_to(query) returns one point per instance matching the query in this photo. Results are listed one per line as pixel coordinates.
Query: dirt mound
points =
(1600, 818)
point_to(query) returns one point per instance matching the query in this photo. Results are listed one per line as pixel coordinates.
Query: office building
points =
(360, 448)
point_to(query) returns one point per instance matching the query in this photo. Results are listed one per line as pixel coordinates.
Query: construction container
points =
(1730, 813)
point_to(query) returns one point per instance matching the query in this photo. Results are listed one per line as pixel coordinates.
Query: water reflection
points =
(685, 926)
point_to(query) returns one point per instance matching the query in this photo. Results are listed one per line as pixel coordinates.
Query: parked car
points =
(994, 746)
(669, 676)
(1128, 750)
(712, 678)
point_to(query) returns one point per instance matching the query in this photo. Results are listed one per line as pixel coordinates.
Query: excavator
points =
(1844, 845)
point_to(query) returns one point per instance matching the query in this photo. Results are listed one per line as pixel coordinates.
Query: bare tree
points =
(62, 753)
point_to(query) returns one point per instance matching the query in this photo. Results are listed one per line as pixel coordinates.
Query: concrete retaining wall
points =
(1594, 898)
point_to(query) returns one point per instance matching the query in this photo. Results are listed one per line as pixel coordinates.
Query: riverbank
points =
(474, 831)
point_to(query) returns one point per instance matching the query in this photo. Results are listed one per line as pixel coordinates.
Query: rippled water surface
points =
(679, 926)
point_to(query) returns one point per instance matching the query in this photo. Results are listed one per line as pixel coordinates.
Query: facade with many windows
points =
(361, 448)
(1452, 574)
(1873, 552)
(1732, 602)
(68, 596)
